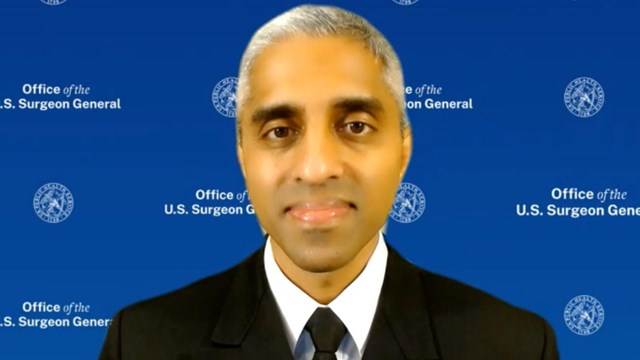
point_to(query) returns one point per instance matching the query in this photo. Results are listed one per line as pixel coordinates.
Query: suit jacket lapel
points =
(401, 328)
(250, 326)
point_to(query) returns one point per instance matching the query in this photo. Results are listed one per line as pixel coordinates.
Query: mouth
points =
(321, 212)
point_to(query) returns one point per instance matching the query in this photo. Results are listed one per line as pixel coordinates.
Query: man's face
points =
(322, 150)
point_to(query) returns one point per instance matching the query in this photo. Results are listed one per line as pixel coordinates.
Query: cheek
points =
(381, 177)
(261, 178)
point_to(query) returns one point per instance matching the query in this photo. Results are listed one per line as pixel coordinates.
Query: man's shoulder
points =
(195, 306)
(203, 293)
(178, 321)
(463, 314)
(453, 297)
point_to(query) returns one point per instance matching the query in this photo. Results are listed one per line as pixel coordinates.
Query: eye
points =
(279, 133)
(356, 128)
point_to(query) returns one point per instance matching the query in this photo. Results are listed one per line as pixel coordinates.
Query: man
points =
(323, 142)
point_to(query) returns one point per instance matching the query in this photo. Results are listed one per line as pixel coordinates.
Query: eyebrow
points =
(277, 111)
(360, 103)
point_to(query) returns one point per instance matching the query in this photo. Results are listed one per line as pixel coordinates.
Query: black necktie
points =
(327, 332)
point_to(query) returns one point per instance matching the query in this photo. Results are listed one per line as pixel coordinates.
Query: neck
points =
(324, 287)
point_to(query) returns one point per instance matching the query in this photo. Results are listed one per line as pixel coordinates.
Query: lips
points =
(319, 212)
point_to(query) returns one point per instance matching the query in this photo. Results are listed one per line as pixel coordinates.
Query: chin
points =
(325, 259)
(320, 265)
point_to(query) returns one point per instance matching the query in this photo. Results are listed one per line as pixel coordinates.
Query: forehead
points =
(315, 70)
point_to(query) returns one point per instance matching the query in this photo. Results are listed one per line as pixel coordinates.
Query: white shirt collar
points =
(355, 306)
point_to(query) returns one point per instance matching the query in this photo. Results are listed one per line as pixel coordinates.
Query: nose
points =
(318, 157)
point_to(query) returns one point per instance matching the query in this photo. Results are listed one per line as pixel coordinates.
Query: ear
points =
(240, 154)
(407, 148)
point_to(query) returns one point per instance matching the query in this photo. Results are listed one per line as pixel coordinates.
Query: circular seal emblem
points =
(584, 315)
(405, 2)
(584, 97)
(409, 204)
(224, 96)
(53, 2)
(53, 203)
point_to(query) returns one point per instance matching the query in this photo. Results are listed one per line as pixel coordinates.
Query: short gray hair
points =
(319, 21)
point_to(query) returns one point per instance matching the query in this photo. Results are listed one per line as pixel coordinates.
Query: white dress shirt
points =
(355, 306)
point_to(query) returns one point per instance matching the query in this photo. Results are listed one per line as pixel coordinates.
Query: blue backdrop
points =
(478, 173)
